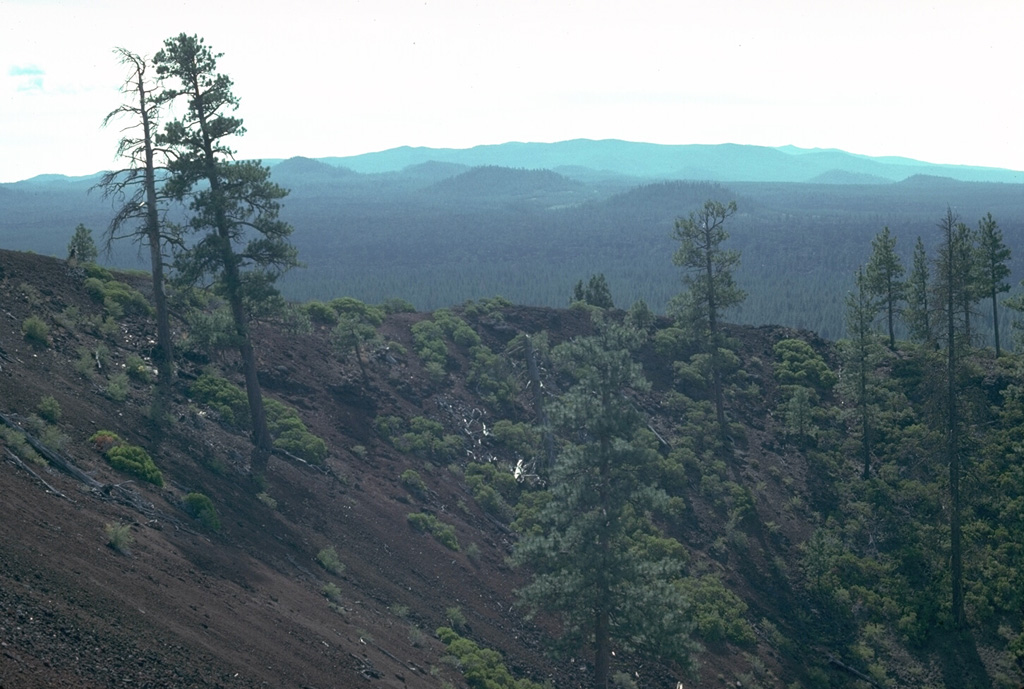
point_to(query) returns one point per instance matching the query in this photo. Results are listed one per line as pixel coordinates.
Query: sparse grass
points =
(329, 560)
(119, 537)
(417, 637)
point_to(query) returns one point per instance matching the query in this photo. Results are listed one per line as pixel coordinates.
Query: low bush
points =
(119, 536)
(483, 668)
(413, 482)
(35, 331)
(200, 507)
(286, 428)
(442, 532)
(329, 560)
(49, 409)
(132, 459)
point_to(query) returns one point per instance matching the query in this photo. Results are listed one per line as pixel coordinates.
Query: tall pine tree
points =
(884, 278)
(993, 256)
(710, 286)
(590, 566)
(243, 245)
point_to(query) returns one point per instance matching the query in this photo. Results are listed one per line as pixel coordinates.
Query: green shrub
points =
(483, 668)
(491, 488)
(428, 523)
(35, 331)
(286, 428)
(102, 441)
(200, 507)
(329, 560)
(718, 612)
(353, 309)
(321, 313)
(137, 369)
(118, 298)
(427, 438)
(456, 617)
(132, 459)
(391, 306)
(331, 592)
(119, 536)
(801, 365)
(223, 397)
(117, 387)
(521, 438)
(413, 482)
(49, 409)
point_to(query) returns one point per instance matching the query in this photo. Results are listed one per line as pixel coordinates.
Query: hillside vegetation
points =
(341, 566)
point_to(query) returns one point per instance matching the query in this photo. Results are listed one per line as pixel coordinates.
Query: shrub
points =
(329, 560)
(49, 409)
(332, 592)
(428, 523)
(132, 459)
(427, 438)
(137, 369)
(119, 536)
(483, 668)
(801, 365)
(391, 306)
(104, 440)
(201, 507)
(455, 617)
(353, 309)
(117, 387)
(321, 313)
(491, 487)
(414, 483)
(265, 498)
(35, 331)
(284, 424)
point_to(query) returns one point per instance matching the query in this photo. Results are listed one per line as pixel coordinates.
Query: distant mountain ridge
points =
(646, 161)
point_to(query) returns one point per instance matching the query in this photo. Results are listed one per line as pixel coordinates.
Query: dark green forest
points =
(438, 234)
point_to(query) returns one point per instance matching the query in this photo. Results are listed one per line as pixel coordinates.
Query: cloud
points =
(28, 78)
(25, 71)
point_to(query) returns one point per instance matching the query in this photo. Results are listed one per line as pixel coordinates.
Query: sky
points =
(935, 80)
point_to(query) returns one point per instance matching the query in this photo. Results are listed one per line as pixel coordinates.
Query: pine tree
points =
(917, 313)
(993, 254)
(82, 248)
(587, 557)
(234, 206)
(952, 286)
(883, 277)
(860, 352)
(141, 201)
(709, 282)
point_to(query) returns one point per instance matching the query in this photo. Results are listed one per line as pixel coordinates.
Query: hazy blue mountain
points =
(722, 162)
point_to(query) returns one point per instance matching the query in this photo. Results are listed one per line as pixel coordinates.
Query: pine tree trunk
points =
(538, 404)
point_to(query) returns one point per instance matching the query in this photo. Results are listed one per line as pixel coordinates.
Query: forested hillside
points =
(804, 543)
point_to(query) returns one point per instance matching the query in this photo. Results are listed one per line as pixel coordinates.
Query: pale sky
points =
(936, 80)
